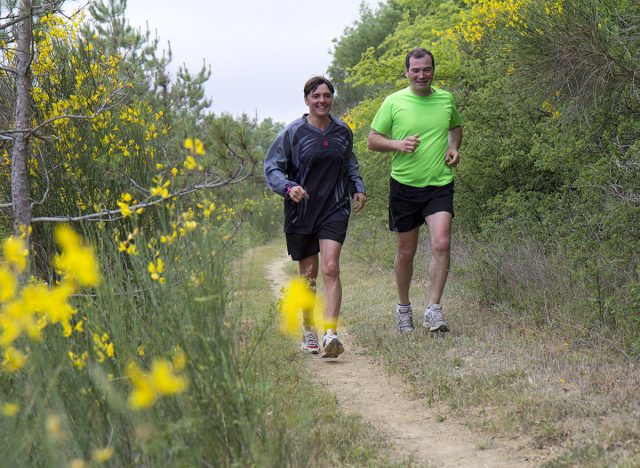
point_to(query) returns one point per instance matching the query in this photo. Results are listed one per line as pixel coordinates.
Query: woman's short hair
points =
(312, 84)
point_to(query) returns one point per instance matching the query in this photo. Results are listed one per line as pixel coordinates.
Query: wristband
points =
(286, 192)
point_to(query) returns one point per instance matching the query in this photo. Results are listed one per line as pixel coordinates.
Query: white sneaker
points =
(331, 345)
(404, 315)
(433, 319)
(310, 342)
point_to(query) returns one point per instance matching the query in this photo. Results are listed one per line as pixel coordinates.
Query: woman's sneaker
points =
(310, 342)
(433, 319)
(404, 314)
(331, 345)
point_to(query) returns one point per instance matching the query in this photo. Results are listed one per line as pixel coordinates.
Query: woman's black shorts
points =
(409, 206)
(302, 246)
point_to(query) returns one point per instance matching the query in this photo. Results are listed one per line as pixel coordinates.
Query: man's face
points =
(420, 75)
(319, 101)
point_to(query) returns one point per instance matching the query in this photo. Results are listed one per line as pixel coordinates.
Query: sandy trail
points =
(364, 388)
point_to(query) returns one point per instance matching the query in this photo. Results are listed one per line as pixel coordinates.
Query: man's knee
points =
(440, 245)
(405, 253)
(330, 269)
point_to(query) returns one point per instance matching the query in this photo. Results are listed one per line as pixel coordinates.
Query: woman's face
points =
(319, 101)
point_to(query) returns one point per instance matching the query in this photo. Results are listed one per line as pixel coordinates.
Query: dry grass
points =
(571, 395)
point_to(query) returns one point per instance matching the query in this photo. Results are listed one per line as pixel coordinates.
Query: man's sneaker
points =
(433, 319)
(331, 345)
(310, 342)
(404, 314)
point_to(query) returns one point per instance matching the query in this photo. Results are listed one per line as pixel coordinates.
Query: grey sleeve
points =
(355, 181)
(276, 163)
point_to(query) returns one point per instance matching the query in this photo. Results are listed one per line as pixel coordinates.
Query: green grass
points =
(251, 399)
(304, 425)
(498, 372)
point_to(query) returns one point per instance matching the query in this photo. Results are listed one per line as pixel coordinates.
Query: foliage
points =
(550, 152)
(367, 32)
(79, 379)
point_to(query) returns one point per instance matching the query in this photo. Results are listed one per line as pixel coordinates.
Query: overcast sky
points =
(260, 52)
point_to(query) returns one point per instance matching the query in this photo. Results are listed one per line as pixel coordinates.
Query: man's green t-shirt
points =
(404, 114)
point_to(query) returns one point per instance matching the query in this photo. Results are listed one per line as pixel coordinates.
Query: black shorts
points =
(409, 206)
(302, 246)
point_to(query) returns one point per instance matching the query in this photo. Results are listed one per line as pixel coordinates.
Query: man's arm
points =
(378, 142)
(455, 140)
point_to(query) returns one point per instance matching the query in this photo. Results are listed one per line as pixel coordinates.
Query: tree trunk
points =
(20, 157)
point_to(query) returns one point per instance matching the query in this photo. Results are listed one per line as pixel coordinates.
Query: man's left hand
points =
(452, 158)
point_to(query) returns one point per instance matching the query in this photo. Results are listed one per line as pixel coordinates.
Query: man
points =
(421, 127)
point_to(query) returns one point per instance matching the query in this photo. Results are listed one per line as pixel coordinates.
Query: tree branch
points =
(8, 24)
(114, 215)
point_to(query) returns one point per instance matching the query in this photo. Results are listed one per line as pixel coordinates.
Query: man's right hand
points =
(409, 144)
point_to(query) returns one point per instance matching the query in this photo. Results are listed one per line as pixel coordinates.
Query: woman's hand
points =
(297, 193)
(359, 200)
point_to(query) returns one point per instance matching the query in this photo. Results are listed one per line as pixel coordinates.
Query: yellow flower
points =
(102, 455)
(10, 409)
(161, 190)
(179, 361)
(53, 425)
(77, 261)
(190, 163)
(194, 146)
(103, 346)
(199, 147)
(156, 269)
(8, 285)
(298, 299)
(16, 319)
(209, 209)
(15, 252)
(141, 350)
(169, 239)
(125, 209)
(165, 381)
(143, 394)
(79, 361)
(162, 380)
(126, 197)
(14, 360)
(77, 463)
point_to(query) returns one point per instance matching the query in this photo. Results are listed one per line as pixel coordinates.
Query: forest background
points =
(143, 362)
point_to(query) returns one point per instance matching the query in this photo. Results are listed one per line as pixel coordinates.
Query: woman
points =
(312, 165)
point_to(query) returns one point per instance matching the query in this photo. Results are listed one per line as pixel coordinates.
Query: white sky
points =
(260, 52)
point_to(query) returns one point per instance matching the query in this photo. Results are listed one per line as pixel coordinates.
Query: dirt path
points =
(364, 388)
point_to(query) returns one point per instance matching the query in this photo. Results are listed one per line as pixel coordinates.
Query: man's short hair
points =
(417, 53)
(312, 84)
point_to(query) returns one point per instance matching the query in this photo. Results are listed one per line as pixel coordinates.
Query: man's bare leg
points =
(407, 244)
